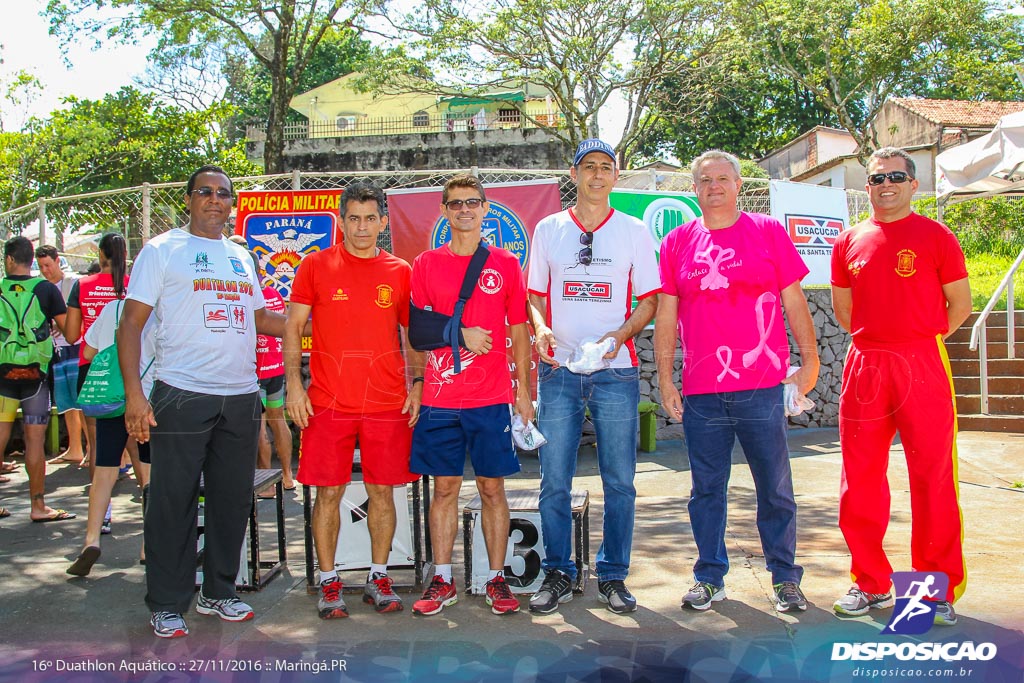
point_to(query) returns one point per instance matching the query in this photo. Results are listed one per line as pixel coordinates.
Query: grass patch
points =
(986, 272)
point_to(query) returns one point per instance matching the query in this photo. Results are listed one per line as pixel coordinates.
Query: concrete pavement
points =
(56, 627)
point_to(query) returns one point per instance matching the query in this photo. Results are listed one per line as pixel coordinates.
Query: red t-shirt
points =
(90, 294)
(269, 356)
(500, 296)
(358, 304)
(895, 272)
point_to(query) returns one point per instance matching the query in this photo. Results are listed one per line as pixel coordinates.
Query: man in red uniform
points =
(899, 286)
(359, 298)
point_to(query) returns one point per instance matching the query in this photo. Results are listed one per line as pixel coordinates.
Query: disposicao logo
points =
(914, 614)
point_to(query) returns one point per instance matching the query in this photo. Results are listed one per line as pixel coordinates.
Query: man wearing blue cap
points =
(588, 263)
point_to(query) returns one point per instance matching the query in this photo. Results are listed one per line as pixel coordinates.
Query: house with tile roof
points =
(923, 127)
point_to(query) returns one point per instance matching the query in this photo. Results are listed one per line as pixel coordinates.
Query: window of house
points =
(421, 119)
(508, 116)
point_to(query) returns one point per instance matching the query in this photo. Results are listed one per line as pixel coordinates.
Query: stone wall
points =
(513, 148)
(832, 344)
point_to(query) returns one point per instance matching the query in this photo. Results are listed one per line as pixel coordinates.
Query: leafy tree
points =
(579, 51)
(747, 110)
(853, 55)
(280, 35)
(341, 52)
(124, 140)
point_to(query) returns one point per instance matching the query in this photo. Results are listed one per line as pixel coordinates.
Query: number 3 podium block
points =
(525, 543)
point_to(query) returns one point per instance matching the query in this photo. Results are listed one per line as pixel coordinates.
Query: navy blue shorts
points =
(443, 435)
(111, 438)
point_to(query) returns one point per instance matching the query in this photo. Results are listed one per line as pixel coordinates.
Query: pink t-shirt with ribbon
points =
(729, 283)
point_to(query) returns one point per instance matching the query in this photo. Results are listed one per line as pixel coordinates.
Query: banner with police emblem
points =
(515, 209)
(282, 227)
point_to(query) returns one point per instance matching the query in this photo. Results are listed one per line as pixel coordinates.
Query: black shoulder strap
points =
(476, 266)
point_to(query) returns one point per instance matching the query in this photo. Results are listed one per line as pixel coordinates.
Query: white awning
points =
(990, 165)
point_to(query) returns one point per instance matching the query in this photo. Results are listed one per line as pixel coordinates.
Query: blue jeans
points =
(612, 396)
(712, 423)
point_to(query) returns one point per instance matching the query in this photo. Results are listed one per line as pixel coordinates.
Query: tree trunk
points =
(273, 150)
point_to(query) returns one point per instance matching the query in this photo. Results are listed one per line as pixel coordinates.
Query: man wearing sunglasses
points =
(467, 407)
(587, 264)
(202, 293)
(899, 287)
(726, 278)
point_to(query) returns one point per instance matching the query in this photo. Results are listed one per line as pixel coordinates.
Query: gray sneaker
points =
(945, 615)
(788, 597)
(229, 609)
(331, 605)
(556, 589)
(856, 602)
(378, 593)
(168, 625)
(702, 595)
(616, 596)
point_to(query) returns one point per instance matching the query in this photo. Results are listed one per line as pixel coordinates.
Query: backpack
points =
(26, 347)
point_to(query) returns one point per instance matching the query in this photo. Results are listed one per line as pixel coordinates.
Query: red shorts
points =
(328, 444)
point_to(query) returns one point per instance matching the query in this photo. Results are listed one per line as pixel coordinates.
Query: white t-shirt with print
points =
(204, 294)
(589, 301)
(100, 335)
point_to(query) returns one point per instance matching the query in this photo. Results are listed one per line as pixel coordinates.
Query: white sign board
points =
(814, 215)
(523, 557)
(353, 551)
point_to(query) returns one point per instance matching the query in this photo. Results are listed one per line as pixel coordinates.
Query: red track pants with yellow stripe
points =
(905, 387)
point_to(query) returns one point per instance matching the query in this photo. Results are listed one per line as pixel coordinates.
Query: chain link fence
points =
(75, 223)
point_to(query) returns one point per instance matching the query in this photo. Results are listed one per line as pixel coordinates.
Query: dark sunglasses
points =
(586, 255)
(207, 191)
(895, 177)
(457, 204)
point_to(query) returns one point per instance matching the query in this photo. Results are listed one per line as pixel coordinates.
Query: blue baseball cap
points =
(593, 145)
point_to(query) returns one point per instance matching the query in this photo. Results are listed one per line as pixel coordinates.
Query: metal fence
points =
(75, 223)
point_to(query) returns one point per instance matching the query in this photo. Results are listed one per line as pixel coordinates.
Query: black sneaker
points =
(556, 589)
(788, 597)
(615, 594)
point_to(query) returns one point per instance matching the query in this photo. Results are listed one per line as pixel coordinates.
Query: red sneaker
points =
(439, 594)
(500, 598)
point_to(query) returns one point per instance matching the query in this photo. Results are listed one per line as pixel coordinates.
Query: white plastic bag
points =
(794, 402)
(525, 435)
(588, 357)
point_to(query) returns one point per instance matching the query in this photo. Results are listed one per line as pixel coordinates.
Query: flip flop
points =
(58, 516)
(4, 512)
(85, 561)
(290, 488)
(8, 468)
(60, 460)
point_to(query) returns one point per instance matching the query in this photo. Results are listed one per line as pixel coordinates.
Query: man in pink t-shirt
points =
(725, 279)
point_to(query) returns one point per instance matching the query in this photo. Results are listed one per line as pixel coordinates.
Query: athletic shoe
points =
(788, 597)
(168, 625)
(228, 609)
(331, 605)
(105, 527)
(499, 596)
(616, 596)
(856, 602)
(379, 594)
(556, 589)
(702, 595)
(945, 615)
(439, 594)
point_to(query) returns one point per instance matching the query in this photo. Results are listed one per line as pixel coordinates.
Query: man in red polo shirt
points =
(358, 295)
(899, 286)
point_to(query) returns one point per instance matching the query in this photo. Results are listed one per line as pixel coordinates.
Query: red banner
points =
(417, 224)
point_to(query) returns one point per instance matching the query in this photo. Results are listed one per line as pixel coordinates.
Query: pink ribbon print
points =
(765, 330)
(714, 279)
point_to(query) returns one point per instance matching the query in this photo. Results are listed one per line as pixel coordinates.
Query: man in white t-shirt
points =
(203, 415)
(588, 263)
